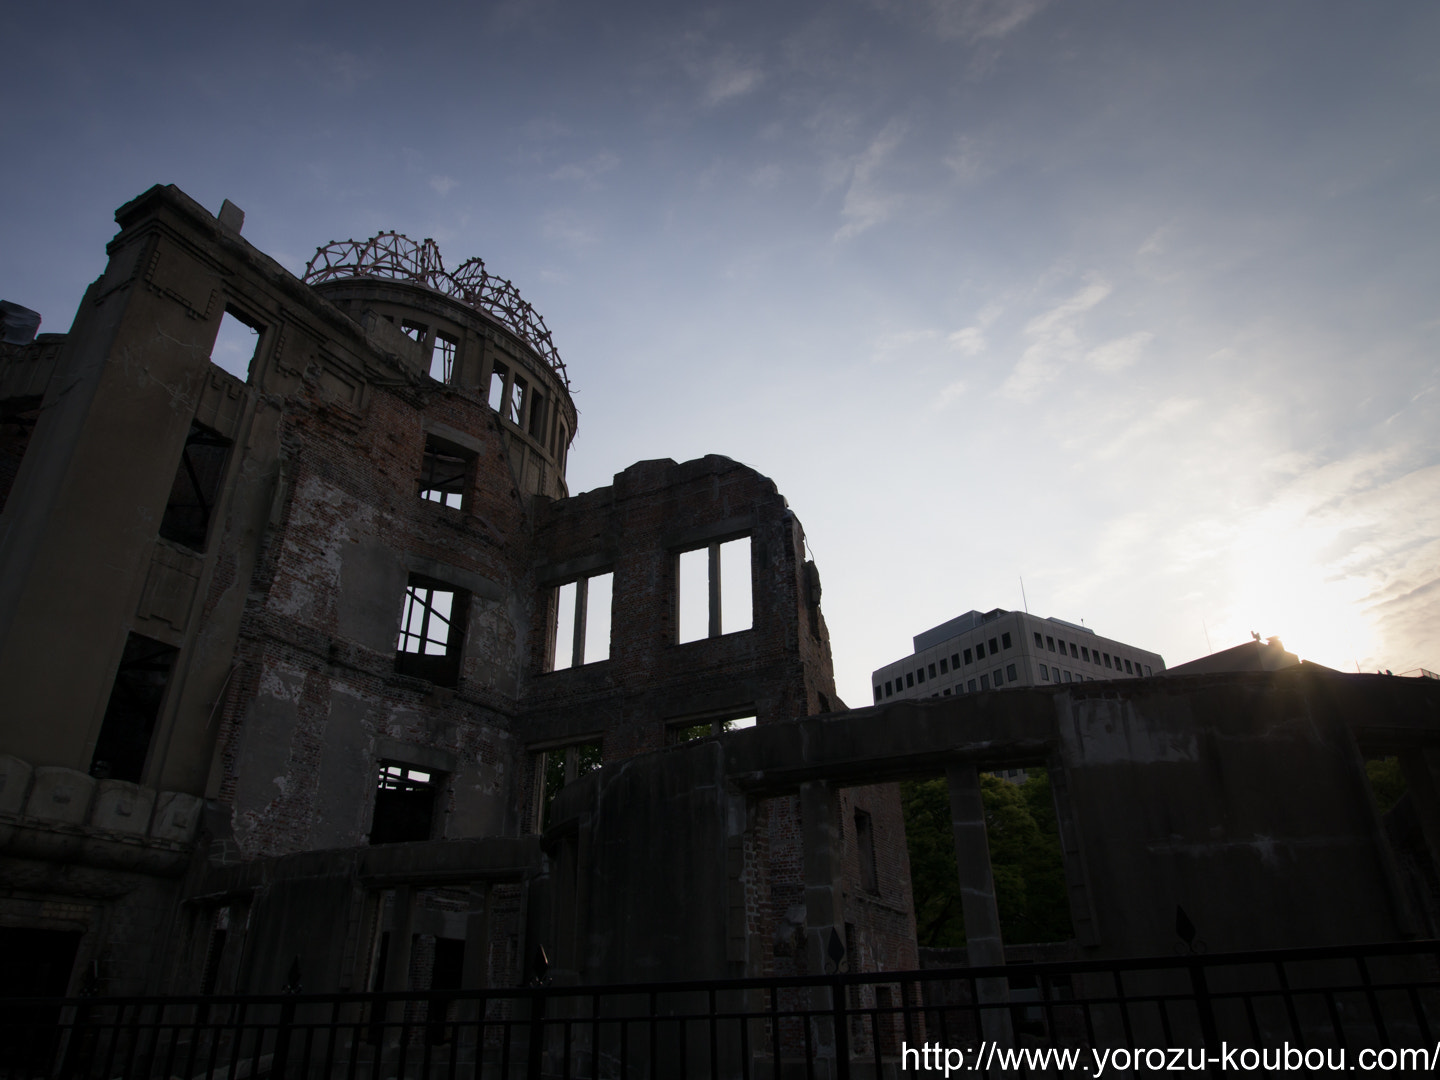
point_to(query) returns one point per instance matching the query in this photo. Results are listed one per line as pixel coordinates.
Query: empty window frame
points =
(558, 766)
(495, 392)
(196, 488)
(235, 345)
(582, 621)
(432, 631)
(515, 406)
(442, 357)
(994, 646)
(416, 332)
(979, 651)
(1005, 640)
(714, 595)
(538, 415)
(865, 852)
(1039, 641)
(445, 473)
(687, 730)
(135, 701)
(969, 657)
(405, 799)
(17, 424)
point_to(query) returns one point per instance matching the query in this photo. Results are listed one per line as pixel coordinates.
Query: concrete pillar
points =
(983, 943)
(824, 914)
(402, 926)
(715, 628)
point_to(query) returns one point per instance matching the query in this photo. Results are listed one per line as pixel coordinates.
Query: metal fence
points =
(984, 1021)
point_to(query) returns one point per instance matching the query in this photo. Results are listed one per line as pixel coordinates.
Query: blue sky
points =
(1134, 299)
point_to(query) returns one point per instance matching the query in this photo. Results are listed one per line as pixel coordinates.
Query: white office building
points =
(999, 649)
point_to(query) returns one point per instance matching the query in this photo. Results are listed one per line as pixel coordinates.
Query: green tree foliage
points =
(1024, 859)
(1387, 782)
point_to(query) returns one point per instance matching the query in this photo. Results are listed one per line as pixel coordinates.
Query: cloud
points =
(973, 21)
(866, 203)
(967, 342)
(560, 227)
(948, 393)
(443, 184)
(731, 80)
(906, 341)
(587, 170)
(1054, 341)
(1120, 353)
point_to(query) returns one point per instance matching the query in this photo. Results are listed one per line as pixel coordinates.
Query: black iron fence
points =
(1224, 1012)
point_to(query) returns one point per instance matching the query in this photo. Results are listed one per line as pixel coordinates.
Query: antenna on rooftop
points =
(1022, 595)
(1208, 646)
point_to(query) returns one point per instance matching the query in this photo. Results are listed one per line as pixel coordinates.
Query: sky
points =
(1133, 300)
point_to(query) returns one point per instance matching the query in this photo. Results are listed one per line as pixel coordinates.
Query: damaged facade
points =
(279, 654)
(309, 676)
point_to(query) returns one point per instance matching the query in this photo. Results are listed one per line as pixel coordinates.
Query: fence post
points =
(841, 1023)
(1203, 1005)
(291, 990)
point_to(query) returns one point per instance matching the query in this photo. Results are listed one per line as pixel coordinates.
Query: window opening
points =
(444, 474)
(980, 651)
(196, 488)
(495, 392)
(442, 357)
(1005, 640)
(970, 686)
(1026, 860)
(1127, 668)
(1050, 641)
(714, 590)
(537, 417)
(235, 345)
(562, 765)
(134, 706)
(984, 682)
(560, 446)
(580, 606)
(1107, 658)
(999, 677)
(17, 424)
(688, 730)
(404, 804)
(1010, 672)
(518, 392)
(920, 674)
(909, 678)
(1073, 653)
(1039, 641)
(865, 850)
(432, 631)
(414, 331)
(944, 665)
(1085, 653)
(931, 671)
(878, 695)
(1044, 673)
(994, 646)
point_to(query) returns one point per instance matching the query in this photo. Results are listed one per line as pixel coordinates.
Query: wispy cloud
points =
(561, 227)
(443, 185)
(867, 203)
(587, 170)
(948, 393)
(1054, 337)
(1121, 353)
(978, 20)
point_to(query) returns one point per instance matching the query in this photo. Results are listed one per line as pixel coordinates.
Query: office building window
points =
(1010, 672)
(1107, 659)
(1127, 668)
(1084, 654)
(1044, 673)
(947, 691)
(932, 671)
(920, 673)
(999, 677)
(955, 661)
(971, 686)
(878, 695)
(994, 646)
(1005, 640)
(1147, 670)
(944, 665)
(1074, 652)
(1050, 641)
(969, 657)
(984, 682)
(980, 650)
(909, 678)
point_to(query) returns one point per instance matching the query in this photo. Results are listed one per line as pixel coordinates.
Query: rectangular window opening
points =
(432, 631)
(1039, 641)
(135, 702)
(537, 417)
(582, 621)
(495, 392)
(196, 488)
(562, 765)
(1074, 653)
(235, 345)
(445, 473)
(404, 804)
(442, 357)
(1085, 653)
(1005, 640)
(865, 851)
(714, 588)
(414, 331)
(519, 391)
(1010, 672)
(17, 424)
(969, 657)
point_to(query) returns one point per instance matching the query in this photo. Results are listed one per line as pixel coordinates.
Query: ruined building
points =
(279, 657)
(322, 677)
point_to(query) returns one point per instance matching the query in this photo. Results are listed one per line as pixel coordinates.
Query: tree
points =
(1025, 861)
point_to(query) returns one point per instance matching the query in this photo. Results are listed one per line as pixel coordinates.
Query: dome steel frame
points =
(395, 256)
